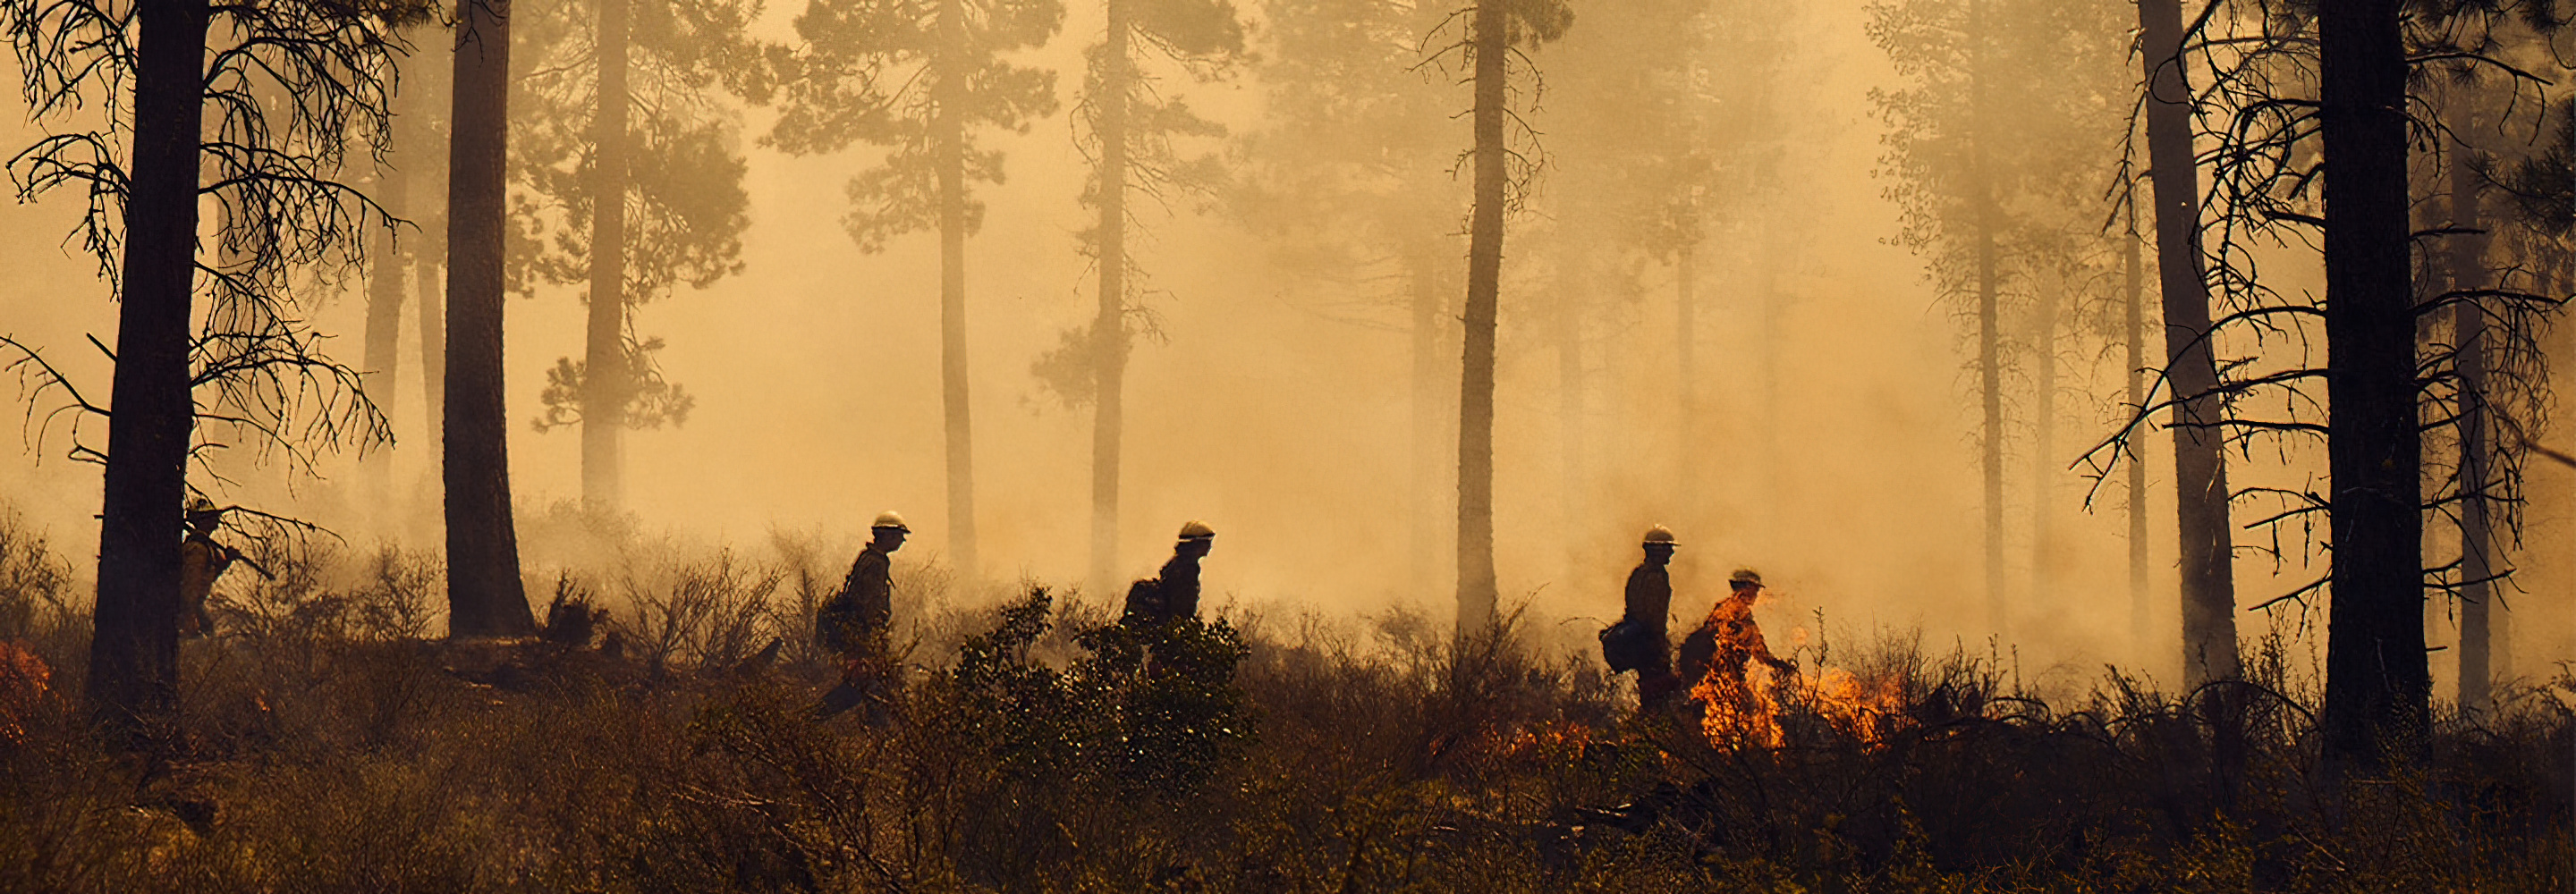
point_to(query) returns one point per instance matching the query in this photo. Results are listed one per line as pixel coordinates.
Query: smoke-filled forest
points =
(1288, 445)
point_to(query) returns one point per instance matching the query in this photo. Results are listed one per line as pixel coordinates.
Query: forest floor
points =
(327, 745)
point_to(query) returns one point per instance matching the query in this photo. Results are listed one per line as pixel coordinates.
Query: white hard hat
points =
(888, 519)
(1659, 534)
(1197, 530)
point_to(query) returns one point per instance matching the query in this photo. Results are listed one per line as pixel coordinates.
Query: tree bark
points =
(605, 365)
(2466, 258)
(484, 595)
(948, 134)
(2206, 541)
(1109, 329)
(1477, 590)
(134, 648)
(2377, 685)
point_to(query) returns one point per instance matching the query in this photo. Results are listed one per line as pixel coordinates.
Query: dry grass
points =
(331, 748)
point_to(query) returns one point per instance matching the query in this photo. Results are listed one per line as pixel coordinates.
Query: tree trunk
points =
(429, 243)
(2206, 542)
(1990, 377)
(1477, 590)
(134, 648)
(431, 300)
(948, 132)
(484, 595)
(385, 282)
(2131, 281)
(2377, 686)
(605, 364)
(1109, 329)
(2467, 259)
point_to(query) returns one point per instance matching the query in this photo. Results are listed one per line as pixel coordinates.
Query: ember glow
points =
(24, 680)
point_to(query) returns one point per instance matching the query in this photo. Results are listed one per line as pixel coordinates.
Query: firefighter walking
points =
(201, 562)
(853, 625)
(1174, 593)
(1641, 640)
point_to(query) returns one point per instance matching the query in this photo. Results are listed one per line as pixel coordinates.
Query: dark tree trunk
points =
(1477, 589)
(2376, 710)
(484, 595)
(134, 649)
(2131, 280)
(2206, 543)
(605, 364)
(948, 132)
(1109, 329)
(2467, 261)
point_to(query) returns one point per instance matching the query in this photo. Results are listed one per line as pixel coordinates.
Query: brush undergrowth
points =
(1035, 747)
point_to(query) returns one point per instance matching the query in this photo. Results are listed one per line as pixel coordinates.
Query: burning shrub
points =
(24, 683)
(1762, 708)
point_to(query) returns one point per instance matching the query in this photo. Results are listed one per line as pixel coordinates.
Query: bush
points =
(35, 584)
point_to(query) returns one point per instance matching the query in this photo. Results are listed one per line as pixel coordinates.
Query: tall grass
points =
(330, 747)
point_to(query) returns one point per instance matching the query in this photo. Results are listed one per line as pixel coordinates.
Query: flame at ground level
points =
(1760, 708)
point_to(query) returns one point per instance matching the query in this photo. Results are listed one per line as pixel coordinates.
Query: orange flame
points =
(1748, 712)
(1742, 711)
(23, 679)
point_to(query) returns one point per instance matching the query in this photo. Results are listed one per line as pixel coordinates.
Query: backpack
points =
(1144, 602)
(1628, 645)
(834, 625)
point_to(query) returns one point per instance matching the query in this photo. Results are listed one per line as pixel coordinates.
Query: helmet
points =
(888, 520)
(1197, 530)
(201, 506)
(1744, 577)
(1659, 534)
